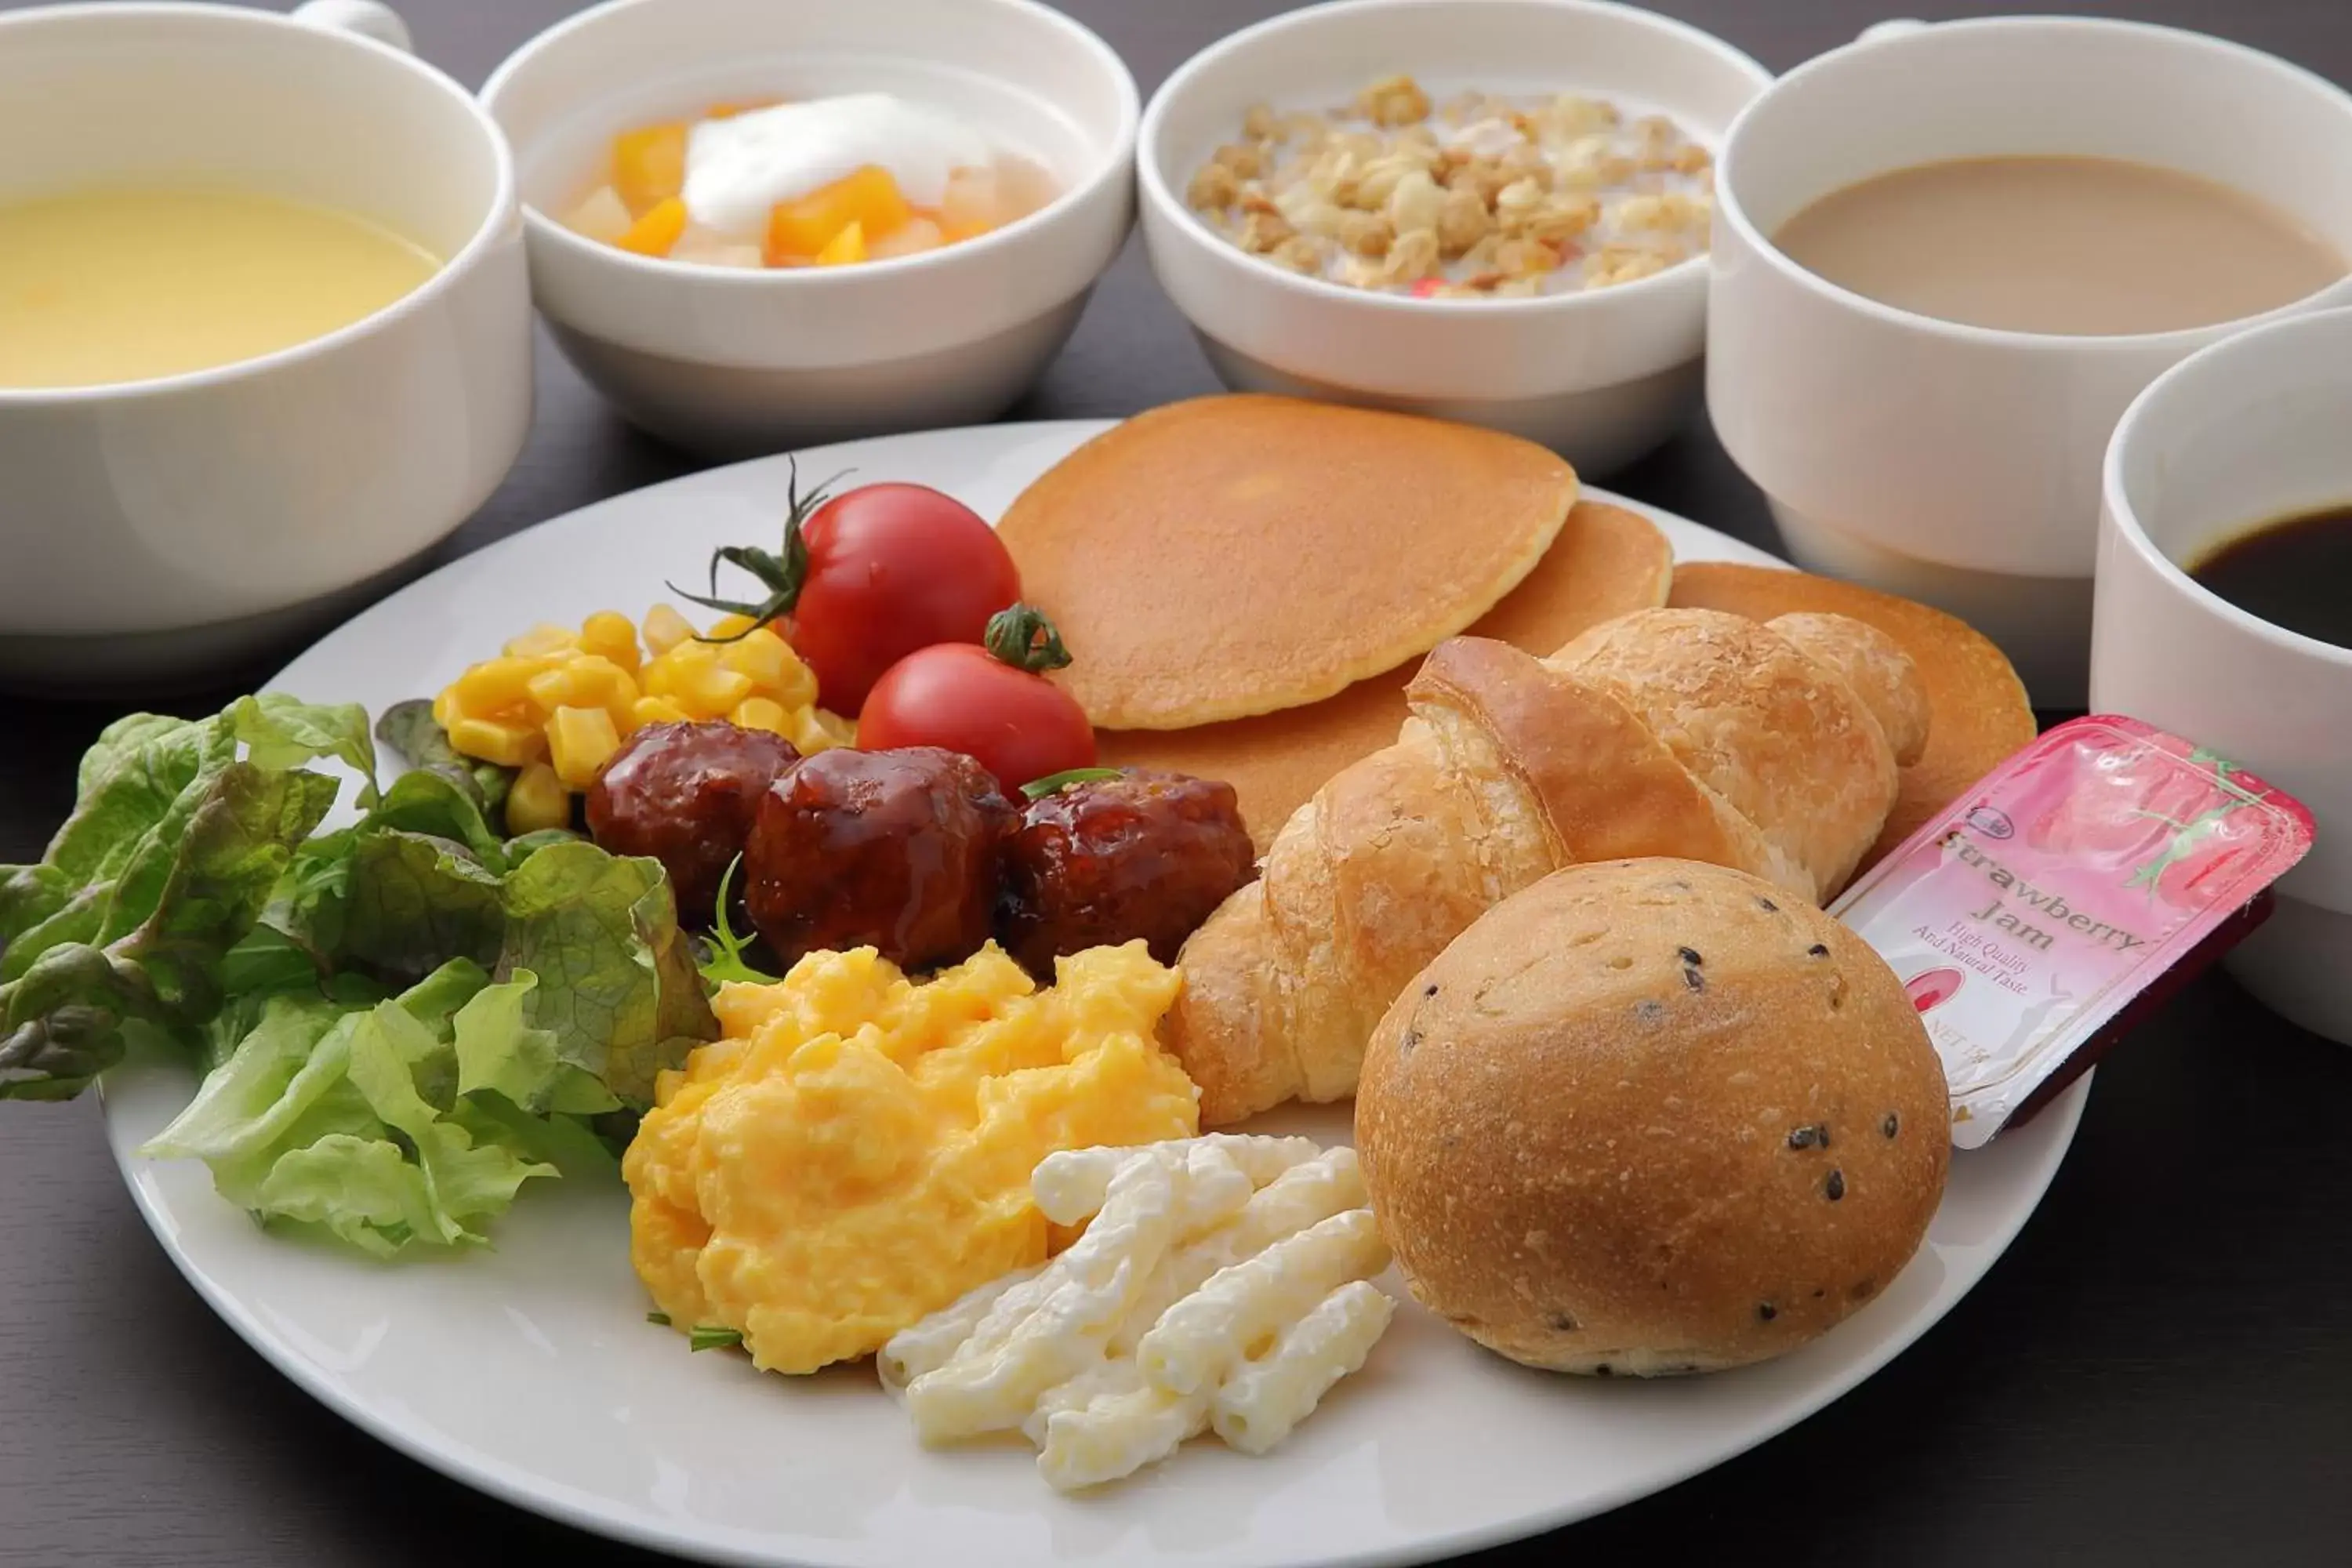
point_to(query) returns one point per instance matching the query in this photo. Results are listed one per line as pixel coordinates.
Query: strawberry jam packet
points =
(2065, 896)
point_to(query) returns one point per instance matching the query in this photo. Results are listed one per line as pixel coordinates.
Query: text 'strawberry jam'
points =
(2073, 887)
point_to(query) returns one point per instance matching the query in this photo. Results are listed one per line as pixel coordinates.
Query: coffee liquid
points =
(2295, 573)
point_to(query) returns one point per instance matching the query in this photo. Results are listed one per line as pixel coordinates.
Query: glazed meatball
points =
(687, 794)
(1104, 861)
(895, 850)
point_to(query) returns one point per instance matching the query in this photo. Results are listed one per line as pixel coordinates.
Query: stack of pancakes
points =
(1246, 584)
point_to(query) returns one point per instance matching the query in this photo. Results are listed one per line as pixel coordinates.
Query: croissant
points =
(1771, 747)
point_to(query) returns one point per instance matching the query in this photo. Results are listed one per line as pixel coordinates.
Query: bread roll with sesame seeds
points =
(1649, 1117)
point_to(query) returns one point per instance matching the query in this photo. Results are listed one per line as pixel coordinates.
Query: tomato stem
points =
(1023, 637)
(783, 575)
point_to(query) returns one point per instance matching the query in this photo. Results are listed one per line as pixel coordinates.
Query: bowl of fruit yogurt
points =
(754, 225)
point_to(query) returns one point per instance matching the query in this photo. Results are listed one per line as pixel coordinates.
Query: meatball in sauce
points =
(687, 794)
(896, 851)
(1103, 861)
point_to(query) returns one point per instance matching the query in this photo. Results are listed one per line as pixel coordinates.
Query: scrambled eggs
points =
(854, 1152)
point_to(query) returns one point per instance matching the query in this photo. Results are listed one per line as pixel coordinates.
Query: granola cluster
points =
(1480, 198)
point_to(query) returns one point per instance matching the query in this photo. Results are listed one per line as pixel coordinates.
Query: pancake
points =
(1229, 556)
(1607, 561)
(1978, 714)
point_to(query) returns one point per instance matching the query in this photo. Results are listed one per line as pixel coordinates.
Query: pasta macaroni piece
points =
(1221, 1282)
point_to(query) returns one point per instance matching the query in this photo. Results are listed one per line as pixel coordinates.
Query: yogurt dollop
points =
(737, 169)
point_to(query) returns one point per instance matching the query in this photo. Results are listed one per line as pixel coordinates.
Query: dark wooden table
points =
(2160, 1371)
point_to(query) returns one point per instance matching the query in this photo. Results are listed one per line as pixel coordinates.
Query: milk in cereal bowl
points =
(1493, 211)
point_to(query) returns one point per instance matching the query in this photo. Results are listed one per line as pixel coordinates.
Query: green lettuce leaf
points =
(621, 994)
(351, 1118)
(410, 730)
(173, 852)
(281, 733)
(536, 1070)
(400, 1021)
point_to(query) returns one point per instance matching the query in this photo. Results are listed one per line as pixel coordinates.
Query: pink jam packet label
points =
(2027, 917)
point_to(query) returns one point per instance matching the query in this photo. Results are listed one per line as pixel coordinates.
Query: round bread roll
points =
(1650, 1117)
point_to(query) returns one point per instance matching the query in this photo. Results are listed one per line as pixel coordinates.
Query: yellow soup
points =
(124, 285)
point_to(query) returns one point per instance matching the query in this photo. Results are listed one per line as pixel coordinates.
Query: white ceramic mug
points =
(152, 529)
(2247, 432)
(1956, 463)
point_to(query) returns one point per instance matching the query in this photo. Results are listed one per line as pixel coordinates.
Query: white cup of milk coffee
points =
(2224, 611)
(1948, 257)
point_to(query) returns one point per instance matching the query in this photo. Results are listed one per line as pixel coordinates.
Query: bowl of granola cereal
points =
(1492, 211)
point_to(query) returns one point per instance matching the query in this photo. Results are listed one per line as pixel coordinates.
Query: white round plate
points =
(530, 1372)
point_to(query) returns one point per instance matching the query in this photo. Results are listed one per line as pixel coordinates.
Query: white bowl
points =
(732, 362)
(155, 530)
(2242, 433)
(1601, 377)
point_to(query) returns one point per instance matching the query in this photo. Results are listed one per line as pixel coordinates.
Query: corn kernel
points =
(760, 713)
(812, 730)
(611, 635)
(541, 639)
(509, 745)
(665, 628)
(537, 801)
(762, 655)
(798, 686)
(585, 680)
(656, 710)
(580, 741)
(712, 692)
(732, 626)
(496, 685)
(668, 674)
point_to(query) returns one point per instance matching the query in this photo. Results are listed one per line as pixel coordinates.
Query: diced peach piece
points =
(844, 248)
(649, 166)
(804, 226)
(654, 234)
(917, 235)
(602, 217)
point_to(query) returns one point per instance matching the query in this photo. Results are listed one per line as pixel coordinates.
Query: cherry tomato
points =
(871, 574)
(986, 703)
